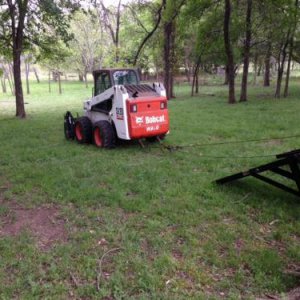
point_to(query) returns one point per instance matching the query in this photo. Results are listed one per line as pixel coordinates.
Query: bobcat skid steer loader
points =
(121, 108)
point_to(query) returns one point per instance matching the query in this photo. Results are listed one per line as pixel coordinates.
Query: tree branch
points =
(134, 14)
(149, 35)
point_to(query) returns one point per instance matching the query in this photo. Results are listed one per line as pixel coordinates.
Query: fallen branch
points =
(99, 272)
(294, 273)
(74, 280)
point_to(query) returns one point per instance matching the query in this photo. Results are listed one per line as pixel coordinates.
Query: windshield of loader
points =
(102, 83)
(125, 77)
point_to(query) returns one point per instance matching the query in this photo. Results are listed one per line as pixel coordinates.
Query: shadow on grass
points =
(261, 192)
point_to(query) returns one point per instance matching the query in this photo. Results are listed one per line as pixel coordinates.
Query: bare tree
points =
(87, 45)
(111, 21)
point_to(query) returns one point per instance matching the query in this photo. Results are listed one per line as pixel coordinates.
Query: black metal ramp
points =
(291, 160)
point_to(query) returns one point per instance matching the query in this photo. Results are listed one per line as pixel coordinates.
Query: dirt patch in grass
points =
(44, 223)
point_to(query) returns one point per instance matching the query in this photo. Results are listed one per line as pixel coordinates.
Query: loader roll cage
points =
(106, 78)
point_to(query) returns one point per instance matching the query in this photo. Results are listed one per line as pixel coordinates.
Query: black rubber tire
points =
(69, 134)
(107, 135)
(85, 135)
(69, 126)
(153, 139)
(118, 141)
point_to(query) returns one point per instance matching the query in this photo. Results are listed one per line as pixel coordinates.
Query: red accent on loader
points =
(147, 117)
(98, 137)
(78, 132)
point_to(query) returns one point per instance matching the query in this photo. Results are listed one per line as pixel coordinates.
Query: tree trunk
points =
(20, 107)
(85, 80)
(226, 80)
(279, 80)
(3, 84)
(173, 62)
(288, 72)
(10, 78)
(157, 72)
(54, 76)
(259, 68)
(281, 62)
(247, 46)
(117, 32)
(80, 77)
(187, 74)
(59, 82)
(195, 77)
(267, 67)
(286, 89)
(172, 87)
(36, 75)
(197, 84)
(49, 81)
(168, 30)
(255, 69)
(187, 65)
(17, 12)
(229, 53)
(27, 70)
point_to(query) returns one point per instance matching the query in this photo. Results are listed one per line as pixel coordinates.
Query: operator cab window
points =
(125, 77)
(102, 83)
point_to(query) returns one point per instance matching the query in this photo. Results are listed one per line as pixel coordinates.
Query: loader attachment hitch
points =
(286, 165)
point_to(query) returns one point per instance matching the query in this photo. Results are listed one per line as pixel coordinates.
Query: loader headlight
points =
(133, 108)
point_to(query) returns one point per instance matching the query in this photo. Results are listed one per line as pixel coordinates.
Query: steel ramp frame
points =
(289, 159)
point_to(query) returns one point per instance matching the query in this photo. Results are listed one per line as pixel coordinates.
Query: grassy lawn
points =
(177, 234)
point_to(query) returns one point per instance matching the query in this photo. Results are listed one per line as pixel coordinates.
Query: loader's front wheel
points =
(104, 135)
(83, 130)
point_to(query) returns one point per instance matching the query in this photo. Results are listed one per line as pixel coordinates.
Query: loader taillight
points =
(133, 108)
(163, 105)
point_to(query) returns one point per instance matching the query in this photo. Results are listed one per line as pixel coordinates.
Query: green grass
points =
(181, 236)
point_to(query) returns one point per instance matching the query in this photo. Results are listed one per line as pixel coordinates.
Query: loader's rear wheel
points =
(83, 130)
(154, 139)
(104, 135)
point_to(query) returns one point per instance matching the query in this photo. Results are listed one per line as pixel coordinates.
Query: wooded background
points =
(165, 39)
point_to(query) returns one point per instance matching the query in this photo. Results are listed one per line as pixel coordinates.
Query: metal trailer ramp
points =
(290, 160)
